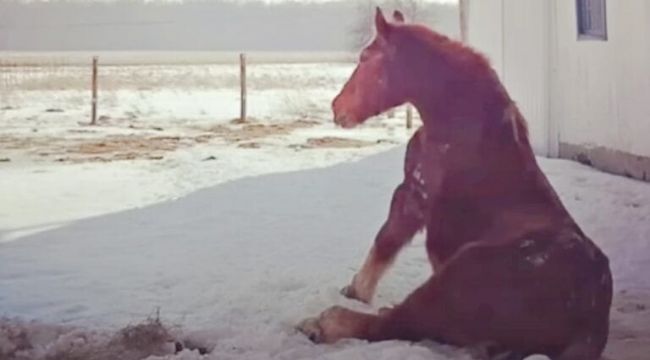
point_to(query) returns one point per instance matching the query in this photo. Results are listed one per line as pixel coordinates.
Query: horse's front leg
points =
(405, 219)
(338, 323)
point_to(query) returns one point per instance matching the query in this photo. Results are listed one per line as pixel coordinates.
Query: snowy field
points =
(164, 131)
(235, 266)
(169, 207)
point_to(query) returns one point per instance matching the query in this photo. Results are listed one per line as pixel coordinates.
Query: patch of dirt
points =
(87, 145)
(130, 143)
(79, 150)
(333, 142)
(250, 145)
(37, 341)
(249, 131)
(11, 142)
(240, 121)
(155, 128)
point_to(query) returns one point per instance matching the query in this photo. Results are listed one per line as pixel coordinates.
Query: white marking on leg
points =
(365, 281)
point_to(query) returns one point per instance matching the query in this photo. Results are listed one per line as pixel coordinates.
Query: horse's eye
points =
(363, 57)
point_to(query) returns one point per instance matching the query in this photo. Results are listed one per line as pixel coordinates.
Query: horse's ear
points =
(382, 26)
(398, 17)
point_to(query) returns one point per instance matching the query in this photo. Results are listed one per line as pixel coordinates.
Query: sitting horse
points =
(513, 272)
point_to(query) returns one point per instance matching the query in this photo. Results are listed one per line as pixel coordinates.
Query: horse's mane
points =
(453, 50)
(473, 61)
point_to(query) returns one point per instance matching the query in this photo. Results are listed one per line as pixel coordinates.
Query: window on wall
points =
(592, 19)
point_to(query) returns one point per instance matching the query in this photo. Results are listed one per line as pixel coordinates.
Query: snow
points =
(242, 262)
(72, 191)
(179, 114)
(234, 233)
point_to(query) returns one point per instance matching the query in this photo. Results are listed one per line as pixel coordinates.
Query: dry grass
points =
(252, 130)
(89, 144)
(23, 341)
(125, 147)
(79, 150)
(85, 146)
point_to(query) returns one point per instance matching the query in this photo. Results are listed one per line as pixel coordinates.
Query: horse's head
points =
(373, 87)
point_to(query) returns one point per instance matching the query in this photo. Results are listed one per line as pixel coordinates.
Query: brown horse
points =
(513, 272)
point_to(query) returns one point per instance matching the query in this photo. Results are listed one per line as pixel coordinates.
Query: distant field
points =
(8, 58)
(190, 91)
(29, 71)
(164, 130)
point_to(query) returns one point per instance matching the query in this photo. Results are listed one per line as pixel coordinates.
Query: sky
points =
(134, 25)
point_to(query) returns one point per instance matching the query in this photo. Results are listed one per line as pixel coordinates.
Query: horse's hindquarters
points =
(538, 295)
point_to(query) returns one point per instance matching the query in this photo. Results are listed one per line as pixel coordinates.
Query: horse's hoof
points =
(383, 311)
(350, 293)
(311, 329)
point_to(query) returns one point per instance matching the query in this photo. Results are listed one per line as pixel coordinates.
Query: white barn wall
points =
(588, 100)
(602, 89)
(485, 30)
(516, 44)
(526, 64)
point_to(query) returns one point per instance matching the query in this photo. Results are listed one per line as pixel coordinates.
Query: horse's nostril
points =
(344, 120)
(340, 119)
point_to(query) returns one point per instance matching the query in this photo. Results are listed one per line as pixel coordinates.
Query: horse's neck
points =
(489, 137)
(482, 101)
(490, 158)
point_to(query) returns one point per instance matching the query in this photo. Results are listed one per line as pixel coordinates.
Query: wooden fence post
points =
(93, 120)
(409, 116)
(463, 7)
(242, 69)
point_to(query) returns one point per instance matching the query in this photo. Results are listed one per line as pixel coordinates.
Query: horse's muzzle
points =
(344, 121)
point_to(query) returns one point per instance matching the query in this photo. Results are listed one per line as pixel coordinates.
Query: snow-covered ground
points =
(168, 205)
(164, 132)
(239, 264)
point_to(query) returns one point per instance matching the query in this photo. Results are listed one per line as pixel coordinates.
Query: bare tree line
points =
(418, 11)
